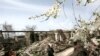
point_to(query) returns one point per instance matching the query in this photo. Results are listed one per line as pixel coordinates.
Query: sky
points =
(17, 12)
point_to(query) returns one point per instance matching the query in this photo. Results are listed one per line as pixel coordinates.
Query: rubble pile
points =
(39, 48)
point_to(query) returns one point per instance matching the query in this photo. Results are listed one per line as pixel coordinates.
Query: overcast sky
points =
(17, 12)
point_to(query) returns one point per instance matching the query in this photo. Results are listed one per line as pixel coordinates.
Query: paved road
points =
(66, 52)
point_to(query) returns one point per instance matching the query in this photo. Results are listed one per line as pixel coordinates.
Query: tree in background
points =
(7, 27)
(30, 28)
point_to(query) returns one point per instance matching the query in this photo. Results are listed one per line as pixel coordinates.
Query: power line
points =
(74, 13)
(64, 10)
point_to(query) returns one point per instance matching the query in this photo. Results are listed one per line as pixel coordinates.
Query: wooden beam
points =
(25, 31)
